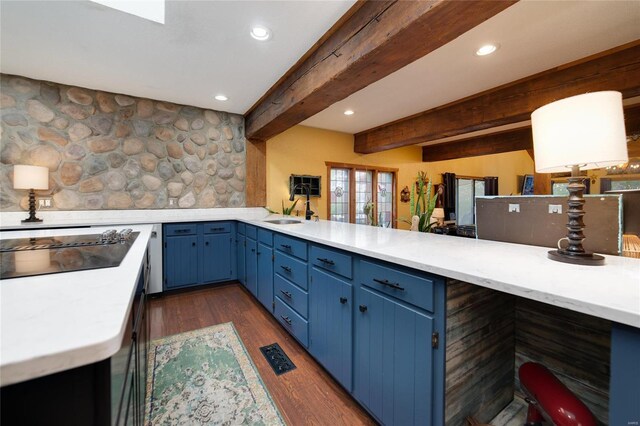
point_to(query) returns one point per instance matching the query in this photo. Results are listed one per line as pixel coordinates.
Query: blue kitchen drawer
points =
(251, 232)
(265, 237)
(217, 227)
(175, 229)
(333, 261)
(291, 246)
(410, 288)
(241, 228)
(292, 269)
(294, 323)
(292, 295)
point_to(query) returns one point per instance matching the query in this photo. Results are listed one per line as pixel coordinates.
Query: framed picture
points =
(527, 185)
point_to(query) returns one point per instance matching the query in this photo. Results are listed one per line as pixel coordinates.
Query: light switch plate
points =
(44, 203)
(173, 202)
(555, 208)
(514, 208)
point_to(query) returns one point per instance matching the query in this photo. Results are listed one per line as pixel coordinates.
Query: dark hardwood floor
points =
(307, 395)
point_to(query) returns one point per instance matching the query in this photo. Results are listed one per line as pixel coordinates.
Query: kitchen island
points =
(52, 323)
(610, 293)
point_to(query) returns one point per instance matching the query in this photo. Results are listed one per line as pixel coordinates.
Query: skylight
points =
(152, 10)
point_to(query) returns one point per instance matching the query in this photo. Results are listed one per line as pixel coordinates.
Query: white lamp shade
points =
(585, 130)
(30, 177)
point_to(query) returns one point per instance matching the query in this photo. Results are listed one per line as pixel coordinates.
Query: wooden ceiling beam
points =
(512, 140)
(616, 69)
(380, 37)
(507, 141)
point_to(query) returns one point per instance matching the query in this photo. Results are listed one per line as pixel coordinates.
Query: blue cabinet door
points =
(181, 261)
(393, 360)
(625, 375)
(216, 257)
(240, 256)
(330, 324)
(265, 276)
(251, 262)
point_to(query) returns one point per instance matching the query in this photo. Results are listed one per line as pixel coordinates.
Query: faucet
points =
(308, 213)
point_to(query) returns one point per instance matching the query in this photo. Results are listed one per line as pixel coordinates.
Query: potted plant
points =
(421, 204)
(285, 210)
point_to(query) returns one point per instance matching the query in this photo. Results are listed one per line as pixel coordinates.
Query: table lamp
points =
(31, 178)
(578, 133)
(438, 214)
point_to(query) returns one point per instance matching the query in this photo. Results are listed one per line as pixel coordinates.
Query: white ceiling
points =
(204, 47)
(533, 36)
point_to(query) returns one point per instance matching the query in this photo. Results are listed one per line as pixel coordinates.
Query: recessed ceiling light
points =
(260, 33)
(487, 49)
(348, 112)
(221, 98)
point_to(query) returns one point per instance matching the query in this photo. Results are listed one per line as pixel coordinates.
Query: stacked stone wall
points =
(113, 151)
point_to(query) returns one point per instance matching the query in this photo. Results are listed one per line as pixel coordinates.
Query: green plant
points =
(285, 210)
(421, 203)
(288, 210)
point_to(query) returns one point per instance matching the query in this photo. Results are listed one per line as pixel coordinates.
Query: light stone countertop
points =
(51, 219)
(611, 292)
(52, 323)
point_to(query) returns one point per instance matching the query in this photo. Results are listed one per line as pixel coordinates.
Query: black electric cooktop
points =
(24, 257)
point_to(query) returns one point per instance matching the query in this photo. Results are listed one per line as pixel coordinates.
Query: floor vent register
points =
(277, 359)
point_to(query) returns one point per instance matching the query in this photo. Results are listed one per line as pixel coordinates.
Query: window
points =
(467, 189)
(619, 183)
(364, 195)
(561, 186)
(385, 198)
(339, 196)
(358, 194)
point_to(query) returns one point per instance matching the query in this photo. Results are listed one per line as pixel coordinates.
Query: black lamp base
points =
(31, 220)
(32, 208)
(576, 259)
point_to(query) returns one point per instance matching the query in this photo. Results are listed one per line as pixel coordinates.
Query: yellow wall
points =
(304, 150)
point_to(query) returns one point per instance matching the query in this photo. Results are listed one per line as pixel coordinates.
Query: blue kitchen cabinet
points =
(265, 269)
(216, 258)
(624, 400)
(181, 261)
(393, 360)
(198, 253)
(240, 256)
(290, 285)
(330, 324)
(398, 359)
(251, 268)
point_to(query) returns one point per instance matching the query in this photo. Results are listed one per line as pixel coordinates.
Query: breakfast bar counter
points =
(611, 291)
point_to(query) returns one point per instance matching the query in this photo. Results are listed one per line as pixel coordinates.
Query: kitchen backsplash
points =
(112, 151)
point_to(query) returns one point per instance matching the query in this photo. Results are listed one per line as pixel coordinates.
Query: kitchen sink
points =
(283, 221)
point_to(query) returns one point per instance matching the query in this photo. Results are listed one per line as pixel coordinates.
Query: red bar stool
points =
(549, 399)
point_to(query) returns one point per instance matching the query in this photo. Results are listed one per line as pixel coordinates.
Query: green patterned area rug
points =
(205, 377)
